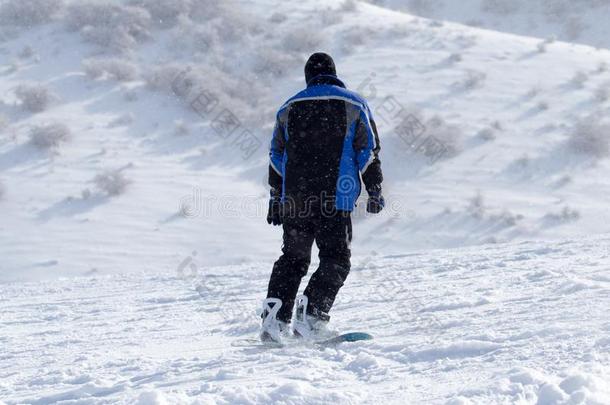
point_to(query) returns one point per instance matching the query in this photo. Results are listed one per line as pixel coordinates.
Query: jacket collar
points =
(329, 80)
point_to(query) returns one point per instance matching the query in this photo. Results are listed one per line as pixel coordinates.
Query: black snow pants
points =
(332, 233)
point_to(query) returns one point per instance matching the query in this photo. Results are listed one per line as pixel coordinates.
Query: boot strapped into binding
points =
(307, 325)
(272, 329)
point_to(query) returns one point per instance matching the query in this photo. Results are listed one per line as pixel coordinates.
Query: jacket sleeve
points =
(367, 147)
(276, 156)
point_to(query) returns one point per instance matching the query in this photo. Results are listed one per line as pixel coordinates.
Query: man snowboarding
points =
(324, 142)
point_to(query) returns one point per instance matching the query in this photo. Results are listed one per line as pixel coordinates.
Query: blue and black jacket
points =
(324, 142)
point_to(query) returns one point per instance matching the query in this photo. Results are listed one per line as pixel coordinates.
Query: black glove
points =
(376, 201)
(274, 216)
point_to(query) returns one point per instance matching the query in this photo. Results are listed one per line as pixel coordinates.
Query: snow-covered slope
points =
(111, 174)
(582, 21)
(523, 323)
(109, 193)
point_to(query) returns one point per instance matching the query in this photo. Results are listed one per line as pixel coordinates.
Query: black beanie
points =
(319, 64)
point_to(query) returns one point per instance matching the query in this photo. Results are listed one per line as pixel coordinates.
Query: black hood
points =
(319, 64)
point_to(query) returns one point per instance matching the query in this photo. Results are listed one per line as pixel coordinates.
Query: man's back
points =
(323, 138)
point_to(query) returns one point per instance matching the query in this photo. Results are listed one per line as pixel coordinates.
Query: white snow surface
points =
(133, 243)
(521, 323)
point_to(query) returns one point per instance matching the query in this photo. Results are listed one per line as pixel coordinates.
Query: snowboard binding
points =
(272, 329)
(307, 326)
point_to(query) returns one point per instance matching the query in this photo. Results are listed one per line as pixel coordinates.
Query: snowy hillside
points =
(104, 168)
(581, 21)
(517, 324)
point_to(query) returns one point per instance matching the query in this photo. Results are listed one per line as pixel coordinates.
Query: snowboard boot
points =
(309, 326)
(272, 329)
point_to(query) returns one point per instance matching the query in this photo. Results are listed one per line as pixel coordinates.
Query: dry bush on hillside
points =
(27, 13)
(112, 183)
(113, 68)
(35, 97)
(590, 137)
(500, 7)
(113, 27)
(49, 136)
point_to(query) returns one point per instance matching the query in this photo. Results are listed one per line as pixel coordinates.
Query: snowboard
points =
(346, 337)
(336, 340)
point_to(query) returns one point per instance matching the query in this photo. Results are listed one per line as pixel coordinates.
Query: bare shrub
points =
(455, 57)
(443, 140)
(200, 37)
(353, 37)
(85, 194)
(543, 45)
(122, 121)
(111, 26)
(221, 24)
(113, 68)
(566, 215)
(278, 18)
(7, 33)
(206, 88)
(556, 11)
(475, 23)
(497, 125)
(574, 28)
(523, 162)
(112, 183)
(269, 61)
(590, 137)
(602, 94)
(602, 67)
(161, 78)
(431, 137)
(348, 6)
(507, 218)
(165, 13)
(500, 7)
(98, 14)
(579, 79)
(118, 40)
(181, 128)
(476, 206)
(203, 10)
(12, 66)
(302, 40)
(472, 80)
(185, 81)
(49, 136)
(533, 92)
(34, 97)
(130, 95)
(3, 122)
(26, 52)
(232, 26)
(420, 7)
(564, 180)
(487, 134)
(331, 17)
(27, 13)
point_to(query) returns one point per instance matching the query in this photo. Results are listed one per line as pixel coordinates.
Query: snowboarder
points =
(324, 142)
